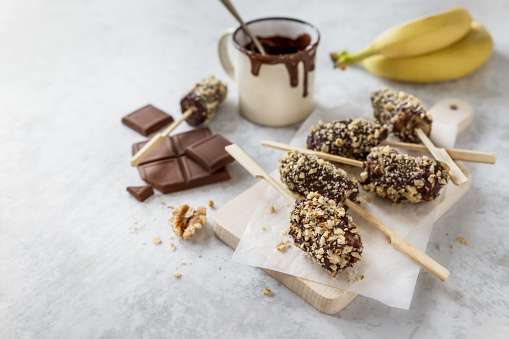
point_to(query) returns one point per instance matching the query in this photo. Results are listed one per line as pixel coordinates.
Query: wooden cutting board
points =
(229, 224)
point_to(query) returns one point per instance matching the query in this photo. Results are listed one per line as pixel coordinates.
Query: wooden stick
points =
(322, 155)
(456, 154)
(396, 240)
(232, 10)
(252, 167)
(441, 154)
(402, 245)
(157, 139)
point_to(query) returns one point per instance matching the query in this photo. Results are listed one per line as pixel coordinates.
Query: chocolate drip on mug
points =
(287, 51)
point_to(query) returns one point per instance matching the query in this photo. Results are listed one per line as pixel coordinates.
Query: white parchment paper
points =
(389, 275)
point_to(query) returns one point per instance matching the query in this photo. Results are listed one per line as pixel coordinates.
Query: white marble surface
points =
(69, 70)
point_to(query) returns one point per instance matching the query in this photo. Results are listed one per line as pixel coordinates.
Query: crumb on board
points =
(282, 245)
(211, 203)
(286, 231)
(266, 291)
(163, 202)
(270, 210)
(473, 247)
(452, 246)
(462, 240)
(182, 262)
(353, 276)
(199, 255)
(172, 245)
(177, 274)
(364, 198)
(439, 247)
(263, 227)
(157, 240)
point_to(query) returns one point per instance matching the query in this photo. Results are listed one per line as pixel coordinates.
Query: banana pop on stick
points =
(403, 178)
(402, 112)
(352, 138)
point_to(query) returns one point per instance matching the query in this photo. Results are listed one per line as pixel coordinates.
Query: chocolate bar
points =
(210, 153)
(178, 174)
(147, 120)
(169, 170)
(141, 193)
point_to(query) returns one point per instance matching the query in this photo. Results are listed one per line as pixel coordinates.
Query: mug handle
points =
(224, 57)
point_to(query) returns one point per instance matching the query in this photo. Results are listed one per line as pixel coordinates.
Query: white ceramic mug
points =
(269, 98)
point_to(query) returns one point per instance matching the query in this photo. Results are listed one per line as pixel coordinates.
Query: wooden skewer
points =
(456, 154)
(322, 155)
(157, 139)
(232, 10)
(441, 154)
(396, 240)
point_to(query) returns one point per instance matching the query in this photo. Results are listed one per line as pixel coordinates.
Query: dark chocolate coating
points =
(304, 173)
(402, 112)
(401, 177)
(352, 138)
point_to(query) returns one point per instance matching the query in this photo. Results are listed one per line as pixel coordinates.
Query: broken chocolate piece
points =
(182, 140)
(147, 120)
(141, 193)
(210, 153)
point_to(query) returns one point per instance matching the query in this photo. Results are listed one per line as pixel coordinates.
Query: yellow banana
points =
(449, 63)
(415, 37)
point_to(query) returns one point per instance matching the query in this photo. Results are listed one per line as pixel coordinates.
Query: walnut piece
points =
(266, 291)
(185, 220)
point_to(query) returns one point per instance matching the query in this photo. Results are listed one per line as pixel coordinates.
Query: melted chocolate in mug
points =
(283, 50)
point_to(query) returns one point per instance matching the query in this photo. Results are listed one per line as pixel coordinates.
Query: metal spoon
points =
(232, 10)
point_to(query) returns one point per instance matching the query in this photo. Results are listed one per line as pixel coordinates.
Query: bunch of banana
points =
(437, 48)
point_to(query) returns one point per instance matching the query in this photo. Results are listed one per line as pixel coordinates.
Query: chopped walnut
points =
(177, 274)
(185, 221)
(157, 240)
(172, 245)
(263, 227)
(266, 291)
(211, 203)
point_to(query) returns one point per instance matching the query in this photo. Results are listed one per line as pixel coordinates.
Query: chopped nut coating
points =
(401, 177)
(205, 97)
(347, 138)
(325, 232)
(304, 173)
(402, 112)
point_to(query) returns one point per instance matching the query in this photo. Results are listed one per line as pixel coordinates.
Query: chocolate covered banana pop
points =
(352, 138)
(204, 98)
(403, 178)
(323, 230)
(304, 174)
(402, 112)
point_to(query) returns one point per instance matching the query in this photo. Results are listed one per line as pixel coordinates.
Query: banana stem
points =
(341, 59)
